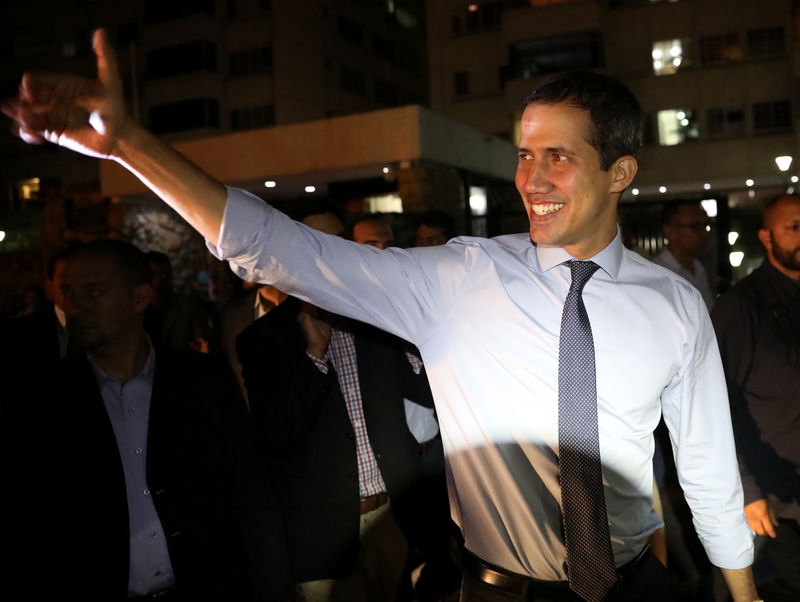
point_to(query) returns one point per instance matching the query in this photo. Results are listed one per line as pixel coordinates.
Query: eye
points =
(559, 158)
(525, 156)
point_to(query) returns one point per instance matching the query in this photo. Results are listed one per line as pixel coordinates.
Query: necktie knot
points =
(581, 272)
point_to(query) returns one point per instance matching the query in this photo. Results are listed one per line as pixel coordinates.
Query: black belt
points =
(522, 585)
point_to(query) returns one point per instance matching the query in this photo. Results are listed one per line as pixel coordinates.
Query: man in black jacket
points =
(758, 327)
(133, 472)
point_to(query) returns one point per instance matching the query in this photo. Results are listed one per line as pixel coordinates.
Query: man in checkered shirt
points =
(326, 396)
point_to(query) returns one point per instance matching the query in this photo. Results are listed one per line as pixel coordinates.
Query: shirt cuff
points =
(728, 548)
(244, 214)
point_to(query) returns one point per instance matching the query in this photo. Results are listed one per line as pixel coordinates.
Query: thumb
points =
(107, 70)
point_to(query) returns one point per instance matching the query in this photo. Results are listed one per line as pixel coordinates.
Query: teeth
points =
(544, 209)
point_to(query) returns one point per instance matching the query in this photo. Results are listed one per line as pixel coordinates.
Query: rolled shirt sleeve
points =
(697, 414)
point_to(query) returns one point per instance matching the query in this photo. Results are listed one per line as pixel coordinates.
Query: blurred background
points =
(397, 107)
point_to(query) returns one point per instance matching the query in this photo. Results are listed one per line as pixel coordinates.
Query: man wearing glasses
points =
(686, 228)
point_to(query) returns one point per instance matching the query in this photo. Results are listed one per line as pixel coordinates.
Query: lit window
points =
(676, 126)
(28, 190)
(384, 203)
(670, 56)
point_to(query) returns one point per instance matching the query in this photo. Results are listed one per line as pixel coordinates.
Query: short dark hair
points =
(616, 116)
(364, 217)
(131, 261)
(303, 208)
(436, 218)
(60, 255)
(671, 209)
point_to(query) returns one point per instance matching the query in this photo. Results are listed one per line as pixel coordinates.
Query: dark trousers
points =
(647, 582)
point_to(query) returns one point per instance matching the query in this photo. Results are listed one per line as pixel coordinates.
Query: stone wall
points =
(153, 226)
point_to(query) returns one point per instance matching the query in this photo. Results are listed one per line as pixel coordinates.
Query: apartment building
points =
(245, 76)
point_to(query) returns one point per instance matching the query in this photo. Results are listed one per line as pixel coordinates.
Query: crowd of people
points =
(483, 420)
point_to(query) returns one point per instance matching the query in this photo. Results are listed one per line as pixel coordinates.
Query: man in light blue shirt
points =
(485, 316)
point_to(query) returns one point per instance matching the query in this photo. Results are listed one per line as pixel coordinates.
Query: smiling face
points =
(570, 200)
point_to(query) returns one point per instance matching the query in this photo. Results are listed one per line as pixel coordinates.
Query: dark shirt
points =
(758, 328)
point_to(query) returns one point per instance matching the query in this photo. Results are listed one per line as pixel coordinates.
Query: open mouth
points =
(546, 208)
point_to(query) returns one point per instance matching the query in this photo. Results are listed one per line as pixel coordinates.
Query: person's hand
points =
(199, 344)
(316, 329)
(761, 517)
(87, 116)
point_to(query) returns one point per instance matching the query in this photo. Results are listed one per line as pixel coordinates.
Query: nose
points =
(537, 177)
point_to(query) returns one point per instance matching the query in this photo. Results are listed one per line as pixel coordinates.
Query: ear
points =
(142, 296)
(764, 237)
(622, 173)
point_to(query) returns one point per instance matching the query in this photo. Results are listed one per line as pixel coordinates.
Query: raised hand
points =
(87, 116)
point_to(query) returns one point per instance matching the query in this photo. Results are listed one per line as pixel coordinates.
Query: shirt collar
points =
(147, 373)
(609, 259)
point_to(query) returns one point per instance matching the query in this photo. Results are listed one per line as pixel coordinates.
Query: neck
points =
(272, 295)
(791, 274)
(123, 359)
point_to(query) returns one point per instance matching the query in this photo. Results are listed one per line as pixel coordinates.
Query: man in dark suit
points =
(134, 475)
(326, 397)
(42, 335)
(249, 303)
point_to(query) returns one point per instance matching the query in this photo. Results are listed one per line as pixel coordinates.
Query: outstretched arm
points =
(90, 117)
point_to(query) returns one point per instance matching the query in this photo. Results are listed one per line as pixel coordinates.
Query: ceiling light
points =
(710, 205)
(783, 162)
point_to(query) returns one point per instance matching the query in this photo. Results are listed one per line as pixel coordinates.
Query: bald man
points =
(758, 327)
(373, 231)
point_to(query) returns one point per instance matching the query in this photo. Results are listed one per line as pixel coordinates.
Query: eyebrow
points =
(550, 149)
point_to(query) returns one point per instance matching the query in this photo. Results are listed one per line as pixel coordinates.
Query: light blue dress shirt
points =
(128, 407)
(485, 315)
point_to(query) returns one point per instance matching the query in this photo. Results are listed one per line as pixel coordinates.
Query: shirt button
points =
(138, 450)
(153, 534)
(146, 492)
(131, 410)
(157, 573)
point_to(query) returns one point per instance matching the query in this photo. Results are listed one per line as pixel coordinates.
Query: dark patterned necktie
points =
(590, 563)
